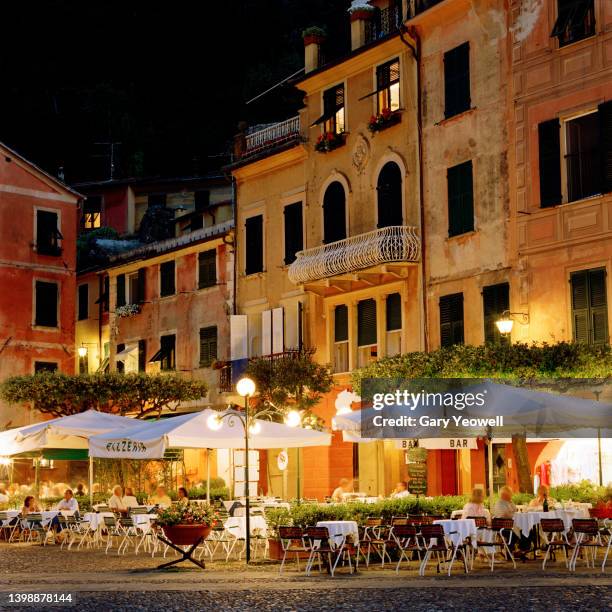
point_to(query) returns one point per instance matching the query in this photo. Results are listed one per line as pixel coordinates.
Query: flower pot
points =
(313, 39)
(362, 14)
(186, 535)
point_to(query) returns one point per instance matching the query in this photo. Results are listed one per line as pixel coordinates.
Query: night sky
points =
(169, 83)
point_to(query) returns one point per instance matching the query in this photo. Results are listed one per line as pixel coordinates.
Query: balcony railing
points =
(398, 243)
(385, 22)
(273, 135)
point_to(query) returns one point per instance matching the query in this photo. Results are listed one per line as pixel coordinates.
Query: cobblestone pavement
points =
(127, 582)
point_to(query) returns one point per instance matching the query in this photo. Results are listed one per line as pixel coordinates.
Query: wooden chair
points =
(554, 537)
(497, 538)
(292, 541)
(320, 544)
(589, 538)
(435, 542)
(407, 542)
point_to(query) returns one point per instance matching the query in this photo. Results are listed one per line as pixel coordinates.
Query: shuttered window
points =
(394, 312)
(167, 284)
(457, 80)
(334, 213)
(333, 110)
(605, 131)
(451, 319)
(366, 322)
(589, 306)
(495, 301)
(550, 162)
(254, 245)
(142, 280)
(44, 366)
(106, 294)
(47, 233)
(142, 355)
(389, 195)
(207, 268)
(83, 302)
(388, 86)
(208, 346)
(120, 363)
(341, 323)
(460, 199)
(92, 212)
(46, 304)
(168, 352)
(120, 290)
(294, 231)
(575, 21)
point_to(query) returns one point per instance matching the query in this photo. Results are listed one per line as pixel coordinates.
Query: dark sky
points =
(169, 83)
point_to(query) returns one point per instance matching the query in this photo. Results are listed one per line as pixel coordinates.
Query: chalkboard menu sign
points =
(416, 460)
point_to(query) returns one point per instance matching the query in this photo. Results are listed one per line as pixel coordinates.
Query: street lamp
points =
(82, 351)
(506, 322)
(251, 426)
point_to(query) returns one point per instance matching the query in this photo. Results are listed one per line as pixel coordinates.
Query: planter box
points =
(313, 39)
(186, 535)
(362, 14)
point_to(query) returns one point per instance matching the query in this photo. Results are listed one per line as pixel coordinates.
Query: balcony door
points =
(334, 213)
(389, 194)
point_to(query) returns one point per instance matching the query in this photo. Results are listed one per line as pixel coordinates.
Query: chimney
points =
(362, 14)
(313, 37)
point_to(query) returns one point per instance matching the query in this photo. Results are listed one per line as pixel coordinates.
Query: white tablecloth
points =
(236, 525)
(525, 521)
(96, 519)
(344, 528)
(459, 529)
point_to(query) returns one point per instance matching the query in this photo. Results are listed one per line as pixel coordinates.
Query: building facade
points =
(38, 217)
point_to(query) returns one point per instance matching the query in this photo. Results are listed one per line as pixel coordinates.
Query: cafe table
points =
(345, 529)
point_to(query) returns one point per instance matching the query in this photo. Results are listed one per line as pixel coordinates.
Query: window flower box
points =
(128, 310)
(328, 141)
(383, 120)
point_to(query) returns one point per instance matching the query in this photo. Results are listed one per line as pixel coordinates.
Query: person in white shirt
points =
(69, 503)
(160, 498)
(401, 490)
(116, 500)
(129, 499)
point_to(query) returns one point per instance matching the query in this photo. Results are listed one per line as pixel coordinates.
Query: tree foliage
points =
(135, 393)
(289, 382)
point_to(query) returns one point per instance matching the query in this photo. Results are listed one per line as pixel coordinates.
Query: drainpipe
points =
(416, 53)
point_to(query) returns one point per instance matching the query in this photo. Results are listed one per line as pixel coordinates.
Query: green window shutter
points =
(142, 355)
(294, 231)
(167, 281)
(168, 352)
(46, 304)
(589, 306)
(120, 290)
(254, 245)
(366, 322)
(460, 199)
(495, 300)
(207, 268)
(599, 306)
(106, 294)
(394, 312)
(457, 80)
(605, 138)
(334, 213)
(451, 319)
(83, 302)
(389, 195)
(142, 279)
(580, 306)
(549, 133)
(120, 364)
(208, 345)
(341, 323)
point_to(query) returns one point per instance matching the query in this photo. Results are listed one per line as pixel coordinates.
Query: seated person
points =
(4, 498)
(115, 503)
(30, 505)
(344, 486)
(69, 503)
(401, 490)
(504, 508)
(160, 498)
(183, 497)
(129, 499)
(538, 501)
(80, 490)
(475, 507)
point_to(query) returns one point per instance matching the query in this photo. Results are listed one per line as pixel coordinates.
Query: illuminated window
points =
(333, 117)
(388, 86)
(92, 212)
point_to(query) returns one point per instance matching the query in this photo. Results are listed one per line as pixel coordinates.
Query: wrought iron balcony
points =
(273, 135)
(398, 243)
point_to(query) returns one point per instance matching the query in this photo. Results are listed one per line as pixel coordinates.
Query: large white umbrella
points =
(153, 438)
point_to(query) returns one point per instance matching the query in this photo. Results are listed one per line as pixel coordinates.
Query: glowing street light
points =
(293, 419)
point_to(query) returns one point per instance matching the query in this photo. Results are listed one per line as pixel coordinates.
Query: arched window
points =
(334, 213)
(389, 188)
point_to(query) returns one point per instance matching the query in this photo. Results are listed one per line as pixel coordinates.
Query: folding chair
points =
(407, 541)
(6, 528)
(32, 524)
(292, 541)
(436, 542)
(497, 537)
(588, 537)
(113, 530)
(554, 537)
(367, 531)
(320, 544)
(381, 541)
(130, 534)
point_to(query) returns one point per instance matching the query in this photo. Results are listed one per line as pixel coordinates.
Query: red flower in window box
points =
(386, 118)
(328, 141)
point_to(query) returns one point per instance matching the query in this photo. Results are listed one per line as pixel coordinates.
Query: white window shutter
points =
(278, 330)
(238, 337)
(266, 332)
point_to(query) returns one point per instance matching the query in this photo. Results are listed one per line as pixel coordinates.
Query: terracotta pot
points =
(186, 535)
(362, 14)
(313, 39)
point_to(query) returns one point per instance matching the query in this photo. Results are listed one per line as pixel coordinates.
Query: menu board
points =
(416, 460)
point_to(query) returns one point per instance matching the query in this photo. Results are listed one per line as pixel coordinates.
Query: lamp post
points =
(246, 389)
(506, 322)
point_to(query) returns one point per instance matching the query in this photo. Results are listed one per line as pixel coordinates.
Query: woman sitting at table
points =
(30, 505)
(183, 497)
(115, 503)
(475, 507)
(538, 501)
(129, 499)
(160, 498)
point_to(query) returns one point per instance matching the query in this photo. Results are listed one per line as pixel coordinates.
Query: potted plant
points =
(314, 35)
(128, 310)
(185, 525)
(361, 9)
(328, 141)
(383, 120)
